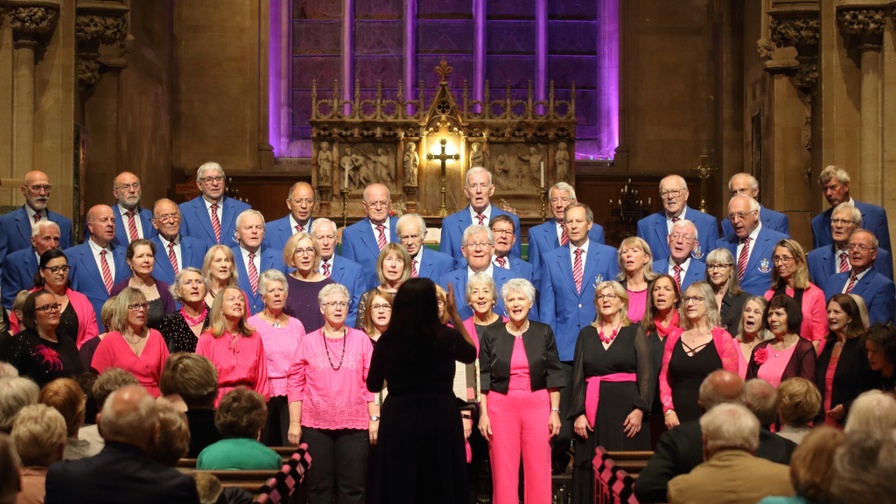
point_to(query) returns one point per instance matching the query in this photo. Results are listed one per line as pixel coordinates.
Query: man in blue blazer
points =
(479, 189)
(877, 291)
(831, 259)
(756, 277)
(15, 226)
(549, 235)
(200, 213)
(188, 252)
(502, 229)
(300, 202)
(834, 182)
(744, 183)
(252, 259)
(655, 229)
(478, 247)
(361, 241)
(683, 240)
(425, 263)
(88, 274)
(568, 307)
(20, 266)
(341, 270)
(132, 221)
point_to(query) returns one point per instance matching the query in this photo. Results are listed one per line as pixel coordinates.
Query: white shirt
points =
(30, 211)
(125, 220)
(559, 227)
(684, 267)
(256, 261)
(506, 262)
(306, 228)
(487, 213)
(177, 254)
(572, 254)
(376, 233)
(329, 261)
(858, 278)
(669, 222)
(837, 260)
(96, 249)
(740, 245)
(490, 271)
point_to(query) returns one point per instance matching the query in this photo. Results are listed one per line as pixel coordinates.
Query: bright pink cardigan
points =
(725, 347)
(814, 310)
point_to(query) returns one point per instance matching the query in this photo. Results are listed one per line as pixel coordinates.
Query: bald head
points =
(301, 202)
(720, 387)
(127, 190)
(101, 224)
(36, 190)
(130, 415)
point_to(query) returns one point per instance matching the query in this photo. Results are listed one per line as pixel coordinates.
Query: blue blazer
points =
(434, 264)
(197, 223)
(877, 291)
(654, 231)
(874, 219)
(192, 253)
(270, 259)
(349, 273)
(86, 278)
(822, 265)
(18, 275)
(769, 218)
(521, 269)
(565, 309)
(696, 271)
(543, 239)
(458, 279)
(121, 228)
(15, 231)
(758, 276)
(359, 245)
(278, 231)
(453, 228)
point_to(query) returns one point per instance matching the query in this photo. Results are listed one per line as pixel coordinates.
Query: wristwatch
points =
(374, 418)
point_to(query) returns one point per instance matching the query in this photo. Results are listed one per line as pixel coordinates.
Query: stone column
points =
(348, 49)
(862, 27)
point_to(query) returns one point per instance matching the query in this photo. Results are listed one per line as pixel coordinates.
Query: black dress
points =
(68, 324)
(420, 455)
(42, 360)
(202, 430)
(177, 333)
(687, 373)
(301, 303)
(629, 353)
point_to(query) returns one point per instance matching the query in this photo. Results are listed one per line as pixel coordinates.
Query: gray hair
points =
(123, 422)
(751, 181)
(15, 393)
(209, 166)
(564, 187)
(712, 308)
(7, 370)
(246, 213)
(872, 413)
(762, 400)
(855, 214)
(864, 466)
(482, 278)
(474, 171)
(331, 289)
(476, 229)
(322, 221)
(38, 432)
(589, 214)
(175, 287)
(271, 275)
(38, 226)
(831, 172)
(412, 218)
(730, 426)
(682, 223)
(520, 285)
(678, 178)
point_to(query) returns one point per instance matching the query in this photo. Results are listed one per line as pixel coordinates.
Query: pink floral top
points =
(280, 345)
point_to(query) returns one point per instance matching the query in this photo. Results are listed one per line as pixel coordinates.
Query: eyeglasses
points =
(481, 186)
(57, 269)
(305, 251)
(842, 222)
(564, 199)
(125, 187)
(207, 180)
(335, 304)
(861, 247)
(739, 216)
(694, 299)
(377, 204)
(608, 297)
(671, 193)
(168, 217)
(782, 259)
(480, 245)
(381, 307)
(502, 232)
(718, 266)
(40, 188)
(138, 306)
(48, 308)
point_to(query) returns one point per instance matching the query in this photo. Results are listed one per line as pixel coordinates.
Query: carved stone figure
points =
(534, 158)
(324, 164)
(411, 163)
(561, 163)
(379, 167)
(477, 157)
(501, 174)
(348, 164)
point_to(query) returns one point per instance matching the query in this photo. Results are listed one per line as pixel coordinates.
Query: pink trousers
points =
(519, 423)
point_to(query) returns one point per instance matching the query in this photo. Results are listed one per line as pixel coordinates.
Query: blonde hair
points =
(38, 433)
(620, 292)
(798, 401)
(174, 436)
(636, 242)
(216, 316)
(289, 250)
(128, 296)
(402, 253)
(712, 308)
(801, 275)
(207, 264)
(66, 396)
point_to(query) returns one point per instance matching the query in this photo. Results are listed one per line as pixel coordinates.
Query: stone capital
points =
(32, 22)
(101, 31)
(862, 25)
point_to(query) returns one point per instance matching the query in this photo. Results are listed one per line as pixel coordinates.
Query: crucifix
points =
(703, 171)
(443, 181)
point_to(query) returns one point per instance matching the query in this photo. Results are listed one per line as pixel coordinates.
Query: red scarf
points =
(661, 331)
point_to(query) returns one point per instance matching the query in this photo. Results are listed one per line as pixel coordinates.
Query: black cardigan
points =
(852, 377)
(496, 349)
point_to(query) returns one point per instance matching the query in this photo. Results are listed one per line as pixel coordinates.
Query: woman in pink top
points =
(78, 319)
(788, 354)
(280, 334)
(636, 272)
(790, 276)
(751, 331)
(233, 346)
(131, 345)
(330, 407)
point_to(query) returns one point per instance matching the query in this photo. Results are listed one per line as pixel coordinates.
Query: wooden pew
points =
(632, 462)
(615, 474)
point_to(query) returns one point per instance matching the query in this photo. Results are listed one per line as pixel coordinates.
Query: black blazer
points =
(852, 377)
(496, 349)
(731, 310)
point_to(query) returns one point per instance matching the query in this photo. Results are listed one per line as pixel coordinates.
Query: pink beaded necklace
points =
(193, 321)
(611, 337)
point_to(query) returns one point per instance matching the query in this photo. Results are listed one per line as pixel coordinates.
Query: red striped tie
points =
(172, 257)
(481, 219)
(844, 263)
(742, 259)
(326, 269)
(299, 228)
(851, 284)
(36, 218)
(381, 239)
(578, 270)
(216, 222)
(414, 271)
(676, 270)
(132, 226)
(564, 237)
(501, 262)
(253, 274)
(106, 271)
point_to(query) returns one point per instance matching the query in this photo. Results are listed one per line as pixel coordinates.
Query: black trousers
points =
(276, 428)
(559, 452)
(338, 465)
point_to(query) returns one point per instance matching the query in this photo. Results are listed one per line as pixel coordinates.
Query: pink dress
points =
(240, 361)
(814, 309)
(773, 368)
(280, 345)
(114, 351)
(637, 303)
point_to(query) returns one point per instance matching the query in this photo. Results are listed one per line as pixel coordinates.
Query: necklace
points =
(125, 336)
(327, 348)
(274, 321)
(191, 321)
(611, 337)
(521, 331)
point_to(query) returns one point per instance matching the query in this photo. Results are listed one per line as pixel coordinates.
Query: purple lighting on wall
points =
(607, 81)
(275, 79)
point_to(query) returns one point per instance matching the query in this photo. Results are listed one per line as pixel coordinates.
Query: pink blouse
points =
(637, 304)
(279, 347)
(773, 368)
(240, 361)
(725, 346)
(814, 309)
(114, 351)
(332, 386)
(519, 367)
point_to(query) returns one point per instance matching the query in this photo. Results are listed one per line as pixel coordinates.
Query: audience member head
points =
(66, 396)
(880, 346)
(762, 400)
(873, 413)
(86, 381)
(10, 467)
(479, 188)
(191, 376)
(130, 415)
(729, 427)
(210, 180)
(864, 467)
(109, 381)
(812, 464)
(377, 202)
(721, 387)
(38, 433)
(673, 194)
(834, 182)
(798, 402)
(241, 414)
(15, 394)
(208, 486)
(166, 218)
(7, 370)
(174, 436)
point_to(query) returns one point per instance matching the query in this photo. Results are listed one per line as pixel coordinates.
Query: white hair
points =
(520, 285)
(730, 426)
(478, 169)
(476, 229)
(246, 213)
(412, 218)
(322, 221)
(38, 226)
(208, 166)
